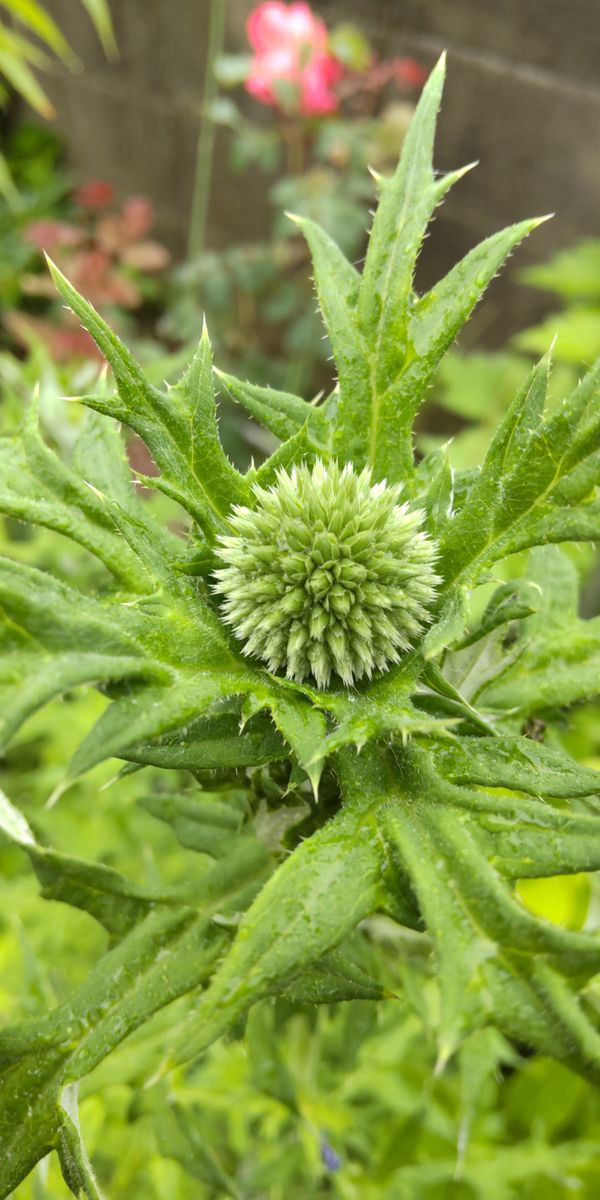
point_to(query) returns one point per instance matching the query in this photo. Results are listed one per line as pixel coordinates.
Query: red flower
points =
(98, 193)
(290, 54)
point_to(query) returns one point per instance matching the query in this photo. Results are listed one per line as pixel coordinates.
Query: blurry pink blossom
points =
(48, 234)
(138, 216)
(409, 73)
(92, 273)
(129, 224)
(290, 50)
(98, 193)
(121, 235)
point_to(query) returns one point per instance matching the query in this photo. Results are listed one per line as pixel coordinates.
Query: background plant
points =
(449, 772)
(574, 276)
(334, 109)
(29, 36)
(107, 251)
(476, 386)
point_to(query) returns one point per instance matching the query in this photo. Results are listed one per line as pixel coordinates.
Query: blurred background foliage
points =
(30, 39)
(313, 1102)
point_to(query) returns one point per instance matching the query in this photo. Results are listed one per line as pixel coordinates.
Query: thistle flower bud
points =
(328, 575)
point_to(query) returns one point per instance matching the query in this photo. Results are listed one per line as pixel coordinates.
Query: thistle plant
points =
(338, 617)
(326, 574)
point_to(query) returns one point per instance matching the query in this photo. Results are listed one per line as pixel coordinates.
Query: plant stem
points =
(206, 137)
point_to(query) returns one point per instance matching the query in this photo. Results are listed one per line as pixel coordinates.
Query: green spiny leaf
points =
(314, 899)
(149, 714)
(36, 486)
(489, 951)
(177, 425)
(537, 483)
(280, 412)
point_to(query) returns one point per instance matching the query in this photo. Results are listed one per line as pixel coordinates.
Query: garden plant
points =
(348, 660)
(310, 109)
(476, 385)
(29, 36)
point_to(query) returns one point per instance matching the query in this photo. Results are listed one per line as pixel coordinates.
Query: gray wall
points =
(523, 96)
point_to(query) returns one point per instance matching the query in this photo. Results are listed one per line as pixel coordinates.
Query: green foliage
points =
(434, 802)
(32, 156)
(477, 388)
(19, 54)
(574, 275)
(28, 36)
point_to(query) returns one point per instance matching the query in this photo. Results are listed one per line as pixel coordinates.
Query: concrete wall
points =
(523, 96)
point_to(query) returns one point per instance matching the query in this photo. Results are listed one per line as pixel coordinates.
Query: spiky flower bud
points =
(327, 574)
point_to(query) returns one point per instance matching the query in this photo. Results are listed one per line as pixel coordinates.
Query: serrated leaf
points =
(560, 659)
(205, 823)
(523, 838)
(30, 680)
(387, 342)
(437, 476)
(491, 955)
(213, 743)
(296, 450)
(312, 901)
(209, 464)
(170, 952)
(150, 713)
(512, 601)
(367, 722)
(337, 284)
(537, 482)
(450, 627)
(178, 425)
(280, 412)
(36, 486)
(332, 980)
(39, 616)
(76, 1167)
(407, 202)
(515, 763)
(435, 320)
(162, 958)
(302, 725)
(438, 316)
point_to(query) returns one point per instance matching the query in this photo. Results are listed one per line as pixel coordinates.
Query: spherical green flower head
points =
(326, 575)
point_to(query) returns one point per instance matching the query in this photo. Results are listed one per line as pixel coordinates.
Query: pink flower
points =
(318, 80)
(274, 24)
(290, 55)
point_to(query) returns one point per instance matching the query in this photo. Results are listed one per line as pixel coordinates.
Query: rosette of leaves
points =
(434, 800)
